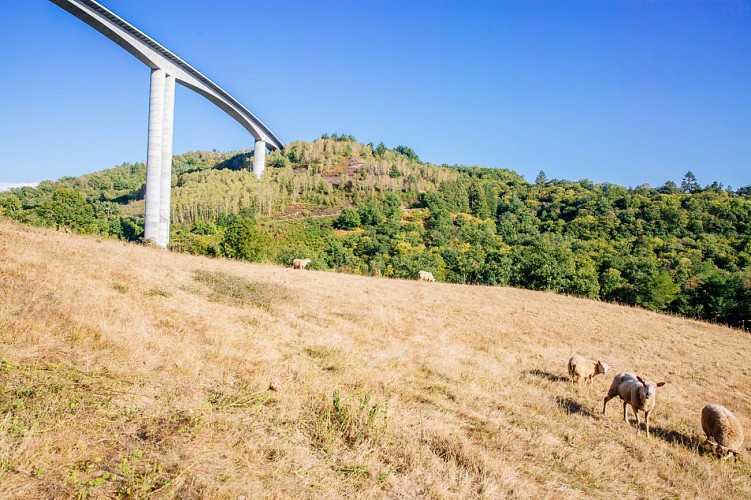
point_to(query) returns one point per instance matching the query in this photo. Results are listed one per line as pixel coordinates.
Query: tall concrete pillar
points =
(154, 156)
(259, 158)
(165, 184)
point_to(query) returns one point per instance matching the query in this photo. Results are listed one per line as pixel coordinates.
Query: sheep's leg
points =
(638, 423)
(646, 418)
(605, 404)
(625, 418)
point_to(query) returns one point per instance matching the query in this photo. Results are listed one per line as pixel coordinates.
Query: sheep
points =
(634, 391)
(582, 368)
(300, 263)
(719, 424)
(425, 276)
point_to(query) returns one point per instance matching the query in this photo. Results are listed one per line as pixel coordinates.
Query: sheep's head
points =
(650, 388)
(602, 367)
(723, 452)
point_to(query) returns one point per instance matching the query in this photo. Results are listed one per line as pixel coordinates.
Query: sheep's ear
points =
(660, 384)
(639, 379)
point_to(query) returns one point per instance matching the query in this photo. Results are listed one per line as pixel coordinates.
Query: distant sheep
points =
(634, 391)
(300, 263)
(580, 368)
(722, 426)
(425, 276)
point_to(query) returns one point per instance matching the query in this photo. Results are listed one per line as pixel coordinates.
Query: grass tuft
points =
(239, 291)
(334, 423)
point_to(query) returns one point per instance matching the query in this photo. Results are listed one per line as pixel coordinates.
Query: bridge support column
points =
(259, 158)
(165, 187)
(154, 155)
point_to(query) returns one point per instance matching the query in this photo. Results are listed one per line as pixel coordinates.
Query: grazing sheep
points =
(300, 263)
(425, 276)
(634, 391)
(580, 368)
(722, 426)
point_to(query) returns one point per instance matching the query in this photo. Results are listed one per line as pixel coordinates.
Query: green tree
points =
(408, 152)
(370, 214)
(67, 209)
(689, 183)
(244, 240)
(669, 188)
(348, 219)
(478, 202)
(392, 205)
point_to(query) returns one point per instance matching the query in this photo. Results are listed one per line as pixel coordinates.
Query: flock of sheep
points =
(722, 429)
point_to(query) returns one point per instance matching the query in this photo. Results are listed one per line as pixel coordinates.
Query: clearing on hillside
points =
(127, 370)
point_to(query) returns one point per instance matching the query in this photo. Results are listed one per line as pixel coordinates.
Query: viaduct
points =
(166, 69)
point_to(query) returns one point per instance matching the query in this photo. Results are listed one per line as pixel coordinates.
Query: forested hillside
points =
(366, 209)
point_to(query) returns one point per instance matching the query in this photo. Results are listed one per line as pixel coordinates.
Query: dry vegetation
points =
(127, 370)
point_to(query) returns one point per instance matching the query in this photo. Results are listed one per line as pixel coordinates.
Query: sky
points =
(628, 92)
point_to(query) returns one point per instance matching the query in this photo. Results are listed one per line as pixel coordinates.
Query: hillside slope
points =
(370, 210)
(126, 369)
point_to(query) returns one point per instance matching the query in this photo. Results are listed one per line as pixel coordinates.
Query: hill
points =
(127, 370)
(371, 210)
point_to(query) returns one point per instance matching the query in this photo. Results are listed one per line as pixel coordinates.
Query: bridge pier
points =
(259, 158)
(165, 187)
(159, 157)
(154, 155)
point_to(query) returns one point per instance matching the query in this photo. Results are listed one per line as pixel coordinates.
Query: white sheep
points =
(722, 426)
(425, 276)
(300, 263)
(634, 391)
(580, 368)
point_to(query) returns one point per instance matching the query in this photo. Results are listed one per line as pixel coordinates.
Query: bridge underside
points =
(166, 69)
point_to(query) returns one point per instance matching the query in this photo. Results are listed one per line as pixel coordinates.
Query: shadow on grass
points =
(673, 436)
(548, 376)
(571, 406)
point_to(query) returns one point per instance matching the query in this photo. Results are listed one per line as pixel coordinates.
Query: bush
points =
(348, 219)
(243, 240)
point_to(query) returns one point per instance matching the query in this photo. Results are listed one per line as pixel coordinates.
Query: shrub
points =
(348, 219)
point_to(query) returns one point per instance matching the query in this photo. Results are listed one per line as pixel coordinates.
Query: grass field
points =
(127, 370)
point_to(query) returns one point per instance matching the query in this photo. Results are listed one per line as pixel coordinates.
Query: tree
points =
(370, 214)
(243, 240)
(392, 205)
(689, 183)
(67, 209)
(348, 219)
(408, 152)
(478, 202)
(668, 188)
(130, 229)
(10, 204)
(544, 262)
(541, 178)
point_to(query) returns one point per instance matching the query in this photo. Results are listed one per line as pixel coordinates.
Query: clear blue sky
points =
(629, 92)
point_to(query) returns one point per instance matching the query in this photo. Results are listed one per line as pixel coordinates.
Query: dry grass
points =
(132, 371)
